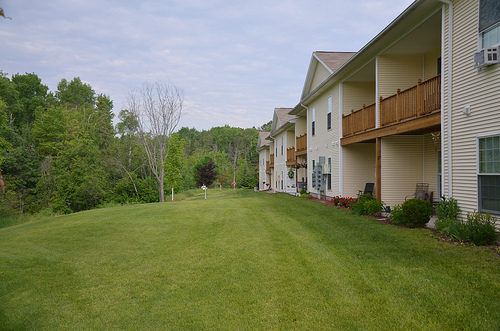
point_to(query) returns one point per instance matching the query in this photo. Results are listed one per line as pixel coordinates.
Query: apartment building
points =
(420, 103)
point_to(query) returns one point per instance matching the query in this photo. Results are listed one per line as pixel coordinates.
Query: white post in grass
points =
(172, 193)
(204, 189)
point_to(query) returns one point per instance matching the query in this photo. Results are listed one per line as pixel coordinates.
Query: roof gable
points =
(263, 139)
(281, 117)
(322, 65)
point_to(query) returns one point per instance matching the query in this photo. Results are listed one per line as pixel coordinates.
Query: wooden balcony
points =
(359, 120)
(268, 167)
(301, 145)
(291, 159)
(271, 160)
(421, 100)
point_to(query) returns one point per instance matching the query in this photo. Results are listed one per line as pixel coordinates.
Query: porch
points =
(415, 108)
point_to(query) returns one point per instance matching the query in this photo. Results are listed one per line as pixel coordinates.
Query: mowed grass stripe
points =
(239, 260)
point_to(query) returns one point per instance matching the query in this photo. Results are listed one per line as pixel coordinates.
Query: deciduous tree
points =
(157, 108)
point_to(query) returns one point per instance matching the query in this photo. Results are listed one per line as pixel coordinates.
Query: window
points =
(281, 145)
(329, 114)
(489, 174)
(489, 22)
(313, 122)
(314, 165)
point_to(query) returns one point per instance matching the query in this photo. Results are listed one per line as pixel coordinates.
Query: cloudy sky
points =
(235, 60)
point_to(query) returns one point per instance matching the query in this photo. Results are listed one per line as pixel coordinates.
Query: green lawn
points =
(240, 261)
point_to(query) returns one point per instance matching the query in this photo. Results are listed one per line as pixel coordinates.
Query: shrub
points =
(443, 225)
(303, 191)
(447, 209)
(336, 200)
(367, 205)
(479, 229)
(396, 215)
(416, 212)
(306, 195)
(373, 207)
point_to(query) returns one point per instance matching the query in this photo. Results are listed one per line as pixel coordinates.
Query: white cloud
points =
(235, 60)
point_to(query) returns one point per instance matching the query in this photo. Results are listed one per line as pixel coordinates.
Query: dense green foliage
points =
(447, 209)
(412, 213)
(367, 205)
(60, 151)
(240, 260)
(478, 229)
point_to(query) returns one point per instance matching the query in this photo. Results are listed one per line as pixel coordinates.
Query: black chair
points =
(368, 189)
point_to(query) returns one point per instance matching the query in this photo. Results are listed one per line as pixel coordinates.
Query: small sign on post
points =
(204, 188)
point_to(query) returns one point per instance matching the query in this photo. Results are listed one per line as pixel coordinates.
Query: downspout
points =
(449, 106)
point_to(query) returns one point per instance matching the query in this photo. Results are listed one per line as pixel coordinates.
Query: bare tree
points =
(158, 109)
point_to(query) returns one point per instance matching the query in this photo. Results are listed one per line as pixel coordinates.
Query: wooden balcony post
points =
(364, 119)
(398, 106)
(381, 119)
(419, 98)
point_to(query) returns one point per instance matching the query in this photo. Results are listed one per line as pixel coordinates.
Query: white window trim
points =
(329, 111)
(482, 136)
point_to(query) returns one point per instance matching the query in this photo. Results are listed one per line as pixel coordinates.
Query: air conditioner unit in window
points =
(487, 56)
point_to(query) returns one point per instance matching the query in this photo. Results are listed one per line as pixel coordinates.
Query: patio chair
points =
(368, 189)
(421, 192)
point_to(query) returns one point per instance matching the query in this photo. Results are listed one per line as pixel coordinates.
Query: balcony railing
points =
(359, 120)
(421, 99)
(301, 144)
(271, 160)
(291, 159)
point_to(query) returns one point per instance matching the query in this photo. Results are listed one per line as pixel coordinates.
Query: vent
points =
(487, 56)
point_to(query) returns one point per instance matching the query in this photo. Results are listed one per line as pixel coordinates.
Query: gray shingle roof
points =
(334, 60)
(283, 115)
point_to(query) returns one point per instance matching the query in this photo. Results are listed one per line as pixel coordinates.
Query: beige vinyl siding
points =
(355, 94)
(324, 142)
(431, 151)
(262, 168)
(398, 72)
(320, 74)
(358, 168)
(444, 105)
(290, 139)
(300, 129)
(480, 91)
(280, 160)
(402, 167)
(301, 126)
(430, 64)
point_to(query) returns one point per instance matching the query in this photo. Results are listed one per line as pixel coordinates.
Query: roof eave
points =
(363, 54)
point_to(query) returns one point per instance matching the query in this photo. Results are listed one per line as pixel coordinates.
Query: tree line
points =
(60, 150)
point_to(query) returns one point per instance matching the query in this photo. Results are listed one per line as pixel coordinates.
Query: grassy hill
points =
(239, 260)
